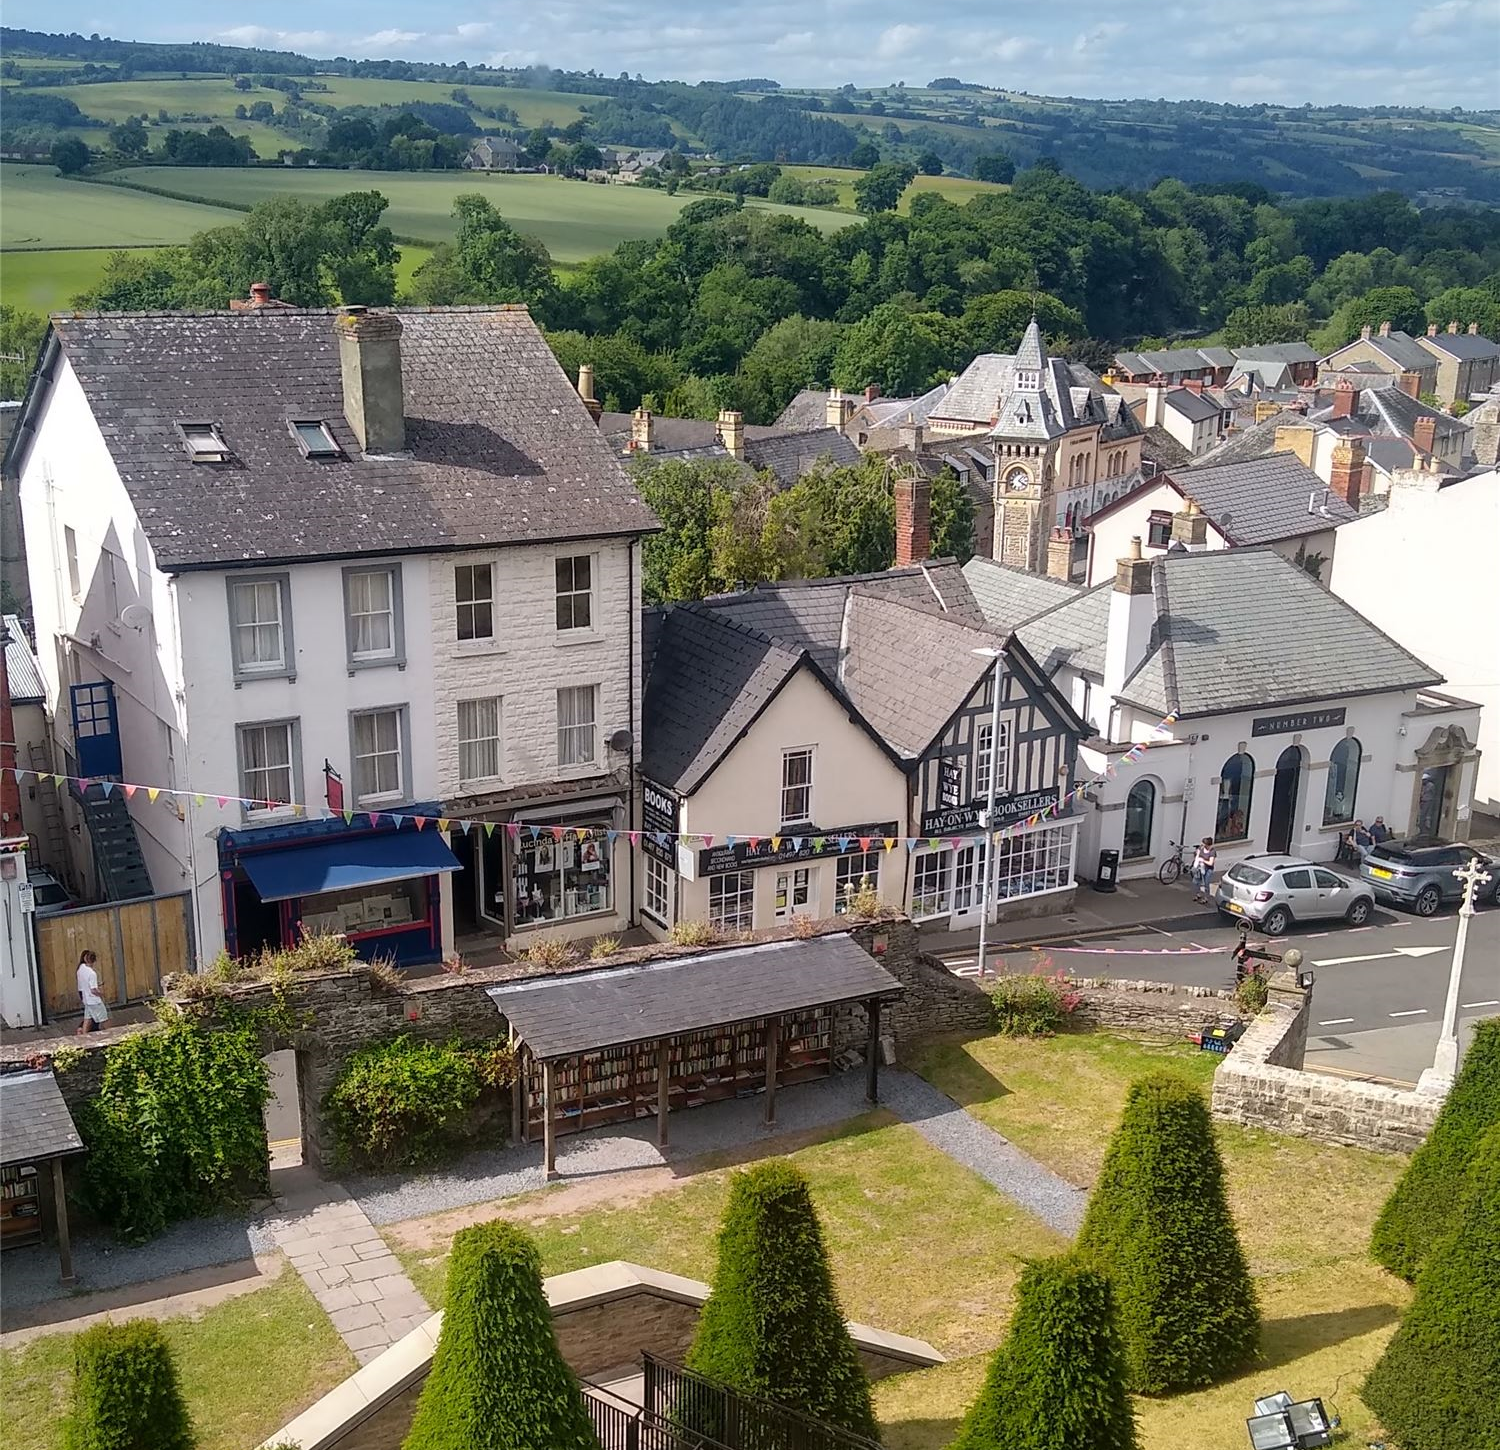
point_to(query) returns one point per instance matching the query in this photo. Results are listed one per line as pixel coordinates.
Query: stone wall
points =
(1262, 1085)
(1156, 1008)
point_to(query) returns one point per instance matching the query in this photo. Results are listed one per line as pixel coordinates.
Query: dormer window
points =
(204, 442)
(314, 438)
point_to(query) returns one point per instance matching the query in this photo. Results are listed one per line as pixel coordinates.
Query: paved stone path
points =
(352, 1274)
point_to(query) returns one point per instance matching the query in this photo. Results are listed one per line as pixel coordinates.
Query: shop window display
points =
(555, 880)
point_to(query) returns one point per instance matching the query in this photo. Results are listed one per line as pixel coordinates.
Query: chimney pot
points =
(1432, 329)
(1345, 399)
(1473, 329)
(913, 500)
(640, 431)
(1452, 328)
(370, 367)
(1135, 547)
(586, 382)
(1385, 329)
(1410, 384)
(731, 432)
(1424, 434)
(1364, 332)
(260, 293)
(1347, 470)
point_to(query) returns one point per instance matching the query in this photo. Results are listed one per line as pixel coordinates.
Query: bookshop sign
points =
(748, 852)
(661, 812)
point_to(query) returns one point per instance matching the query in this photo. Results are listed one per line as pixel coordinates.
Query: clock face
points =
(1017, 479)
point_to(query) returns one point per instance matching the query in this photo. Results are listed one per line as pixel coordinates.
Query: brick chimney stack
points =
(1345, 398)
(1190, 527)
(911, 435)
(1385, 328)
(872, 392)
(1424, 435)
(1473, 329)
(370, 366)
(838, 409)
(1347, 475)
(1364, 333)
(913, 518)
(1410, 384)
(732, 432)
(1432, 329)
(640, 431)
(1060, 555)
(1452, 329)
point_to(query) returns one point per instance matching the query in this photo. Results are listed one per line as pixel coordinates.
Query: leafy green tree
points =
(952, 519)
(129, 139)
(1424, 1204)
(790, 355)
(488, 261)
(1400, 306)
(1278, 285)
(677, 562)
(929, 163)
(359, 251)
(996, 322)
(21, 334)
(787, 191)
(1260, 326)
(69, 155)
(880, 188)
(125, 1393)
(898, 350)
(498, 1380)
(772, 1325)
(1059, 1377)
(1159, 1224)
(994, 166)
(1465, 305)
(1437, 1386)
(865, 155)
(624, 372)
(140, 281)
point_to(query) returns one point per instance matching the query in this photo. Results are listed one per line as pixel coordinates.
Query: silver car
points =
(1274, 891)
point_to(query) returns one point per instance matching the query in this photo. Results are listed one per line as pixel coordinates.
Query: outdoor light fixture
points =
(1281, 1423)
(1271, 1432)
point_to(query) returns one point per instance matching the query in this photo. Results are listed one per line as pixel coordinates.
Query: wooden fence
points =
(138, 943)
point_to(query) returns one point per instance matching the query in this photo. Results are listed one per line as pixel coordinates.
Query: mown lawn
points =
(247, 1366)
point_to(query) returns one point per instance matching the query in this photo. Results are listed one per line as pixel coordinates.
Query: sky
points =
(1359, 52)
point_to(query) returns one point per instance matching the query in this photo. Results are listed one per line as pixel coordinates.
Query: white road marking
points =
(1493, 1003)
(1336, 1022)
(1414, 1012)
(1381, 956)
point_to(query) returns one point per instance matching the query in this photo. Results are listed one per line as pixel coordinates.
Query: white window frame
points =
(402, 754)
(475, 707)
(568, 755)
(731, 901)
(937, 899)
(569, 597)
(982, 761)
(799, 892)
(1042, 859)
(70, 548)
(292, 730)
(847, 880)
(790, 816)
(474, 602)
(658, 891)
(261, 670)
(395, 653)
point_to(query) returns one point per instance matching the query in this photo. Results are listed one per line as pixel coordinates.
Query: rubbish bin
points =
(1107, 876)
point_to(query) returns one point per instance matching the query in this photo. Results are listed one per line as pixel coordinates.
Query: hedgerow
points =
(772, 1325)
(125, 1394)
(1159, 1224)
(498, 1381)
(1422, 1206)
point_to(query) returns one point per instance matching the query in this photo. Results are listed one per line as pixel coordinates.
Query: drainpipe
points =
(635, 743)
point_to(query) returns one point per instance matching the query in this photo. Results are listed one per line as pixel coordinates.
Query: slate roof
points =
(1391, 413)
(1462, 345)
(790, 455)
(1193, 406)
(1262, 500)
(1163, 449)
(1070, 633)
(23, 674)
(562, 1016)
(785, 453)
(35, 1123)
(1398, 347)
(1284, 352)
(1008, 596)
(1256, 441)
(1240, 629)
(502, 450)
(808, 410)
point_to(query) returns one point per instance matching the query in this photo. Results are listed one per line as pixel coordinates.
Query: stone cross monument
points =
(1439, 1077)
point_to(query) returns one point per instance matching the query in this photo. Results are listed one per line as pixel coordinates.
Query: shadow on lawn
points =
(963, 1078)
(1285, 1340)
(918, 1434)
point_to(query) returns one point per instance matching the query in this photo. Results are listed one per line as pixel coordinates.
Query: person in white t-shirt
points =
(95, 1012)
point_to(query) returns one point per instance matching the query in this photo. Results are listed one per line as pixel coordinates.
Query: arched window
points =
(1236, 785)
(1140, 810)
(1343, 782)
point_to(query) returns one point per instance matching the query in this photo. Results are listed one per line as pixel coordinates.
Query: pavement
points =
(1379, 991)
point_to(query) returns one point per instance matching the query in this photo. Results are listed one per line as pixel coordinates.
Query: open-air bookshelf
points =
(20, 1206)
(621, 1084)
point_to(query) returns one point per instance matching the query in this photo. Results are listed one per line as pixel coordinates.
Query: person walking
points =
(1204, 860)
(95, 1011)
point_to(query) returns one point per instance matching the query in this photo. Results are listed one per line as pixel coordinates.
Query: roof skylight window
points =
(204, 442)
(314, 438)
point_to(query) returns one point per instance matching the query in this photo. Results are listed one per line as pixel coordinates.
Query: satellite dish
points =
(135, 616)
(621, 741)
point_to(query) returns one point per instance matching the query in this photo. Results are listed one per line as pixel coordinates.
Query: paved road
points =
(1378, 1000)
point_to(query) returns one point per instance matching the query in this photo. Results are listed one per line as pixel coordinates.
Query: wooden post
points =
(549, 1119)
(872, 1051)
(663, 1093)
(773, 1042)
(60, 1210)
(518, 1113)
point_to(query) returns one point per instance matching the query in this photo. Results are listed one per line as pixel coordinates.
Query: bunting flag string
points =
(756, 844)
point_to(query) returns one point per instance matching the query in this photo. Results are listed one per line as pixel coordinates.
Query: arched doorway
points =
(1281, 831)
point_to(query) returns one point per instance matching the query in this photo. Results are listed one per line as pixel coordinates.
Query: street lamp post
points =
(1439, 1077)
(987, 854)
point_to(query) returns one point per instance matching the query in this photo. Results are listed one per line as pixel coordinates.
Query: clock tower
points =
(1024, 440)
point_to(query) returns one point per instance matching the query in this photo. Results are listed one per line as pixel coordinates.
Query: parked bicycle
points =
(1173, 867)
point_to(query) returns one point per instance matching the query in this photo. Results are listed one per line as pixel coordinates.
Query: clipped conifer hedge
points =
(1159, 1224)
(1422, 1207)
(1437, 1386)
(498, 1380)
(1059, 1377)
(772, 1325)
(125, 1391)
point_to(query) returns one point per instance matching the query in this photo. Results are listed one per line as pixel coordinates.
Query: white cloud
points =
(1015, 47)
(267, 39)
(900, 40)
(1450, 15)
(473, 29)
(393, 39)
(1098, 37)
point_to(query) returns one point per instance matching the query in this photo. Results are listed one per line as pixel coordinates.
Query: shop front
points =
(377, 884)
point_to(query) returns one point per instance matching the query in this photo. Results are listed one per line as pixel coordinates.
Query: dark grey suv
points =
(1418, 873)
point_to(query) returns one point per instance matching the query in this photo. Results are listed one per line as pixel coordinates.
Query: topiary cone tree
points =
(772, 1325)
(125, 1391)
(1425, 1201)
(498, 1381)
(1437, 1386)
(1159, 1224)
(1059, 1377)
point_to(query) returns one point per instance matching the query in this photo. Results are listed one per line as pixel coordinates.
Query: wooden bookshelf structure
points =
(624, 1043)
(36, 1135)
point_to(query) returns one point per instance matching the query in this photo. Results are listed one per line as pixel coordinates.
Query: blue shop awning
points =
(337, 864)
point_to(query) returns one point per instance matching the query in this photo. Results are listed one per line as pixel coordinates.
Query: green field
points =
(574, 219)
(39, 208)
(956, 188)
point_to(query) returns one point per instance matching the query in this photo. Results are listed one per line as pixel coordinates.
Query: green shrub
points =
(1159, 1224)
(403, 1103)
(772, 1325)
(178, 1126)
(1033, 1005)
(1059, 1377)
(125, 1392)
(1252, 993)
(498, 1381)
(1437, 1386)
(1422, 1206)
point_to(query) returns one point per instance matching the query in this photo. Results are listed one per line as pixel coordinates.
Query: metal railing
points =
(699, 1408)
(619, 1425)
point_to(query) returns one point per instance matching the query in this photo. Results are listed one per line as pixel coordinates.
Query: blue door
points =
(96, 729)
